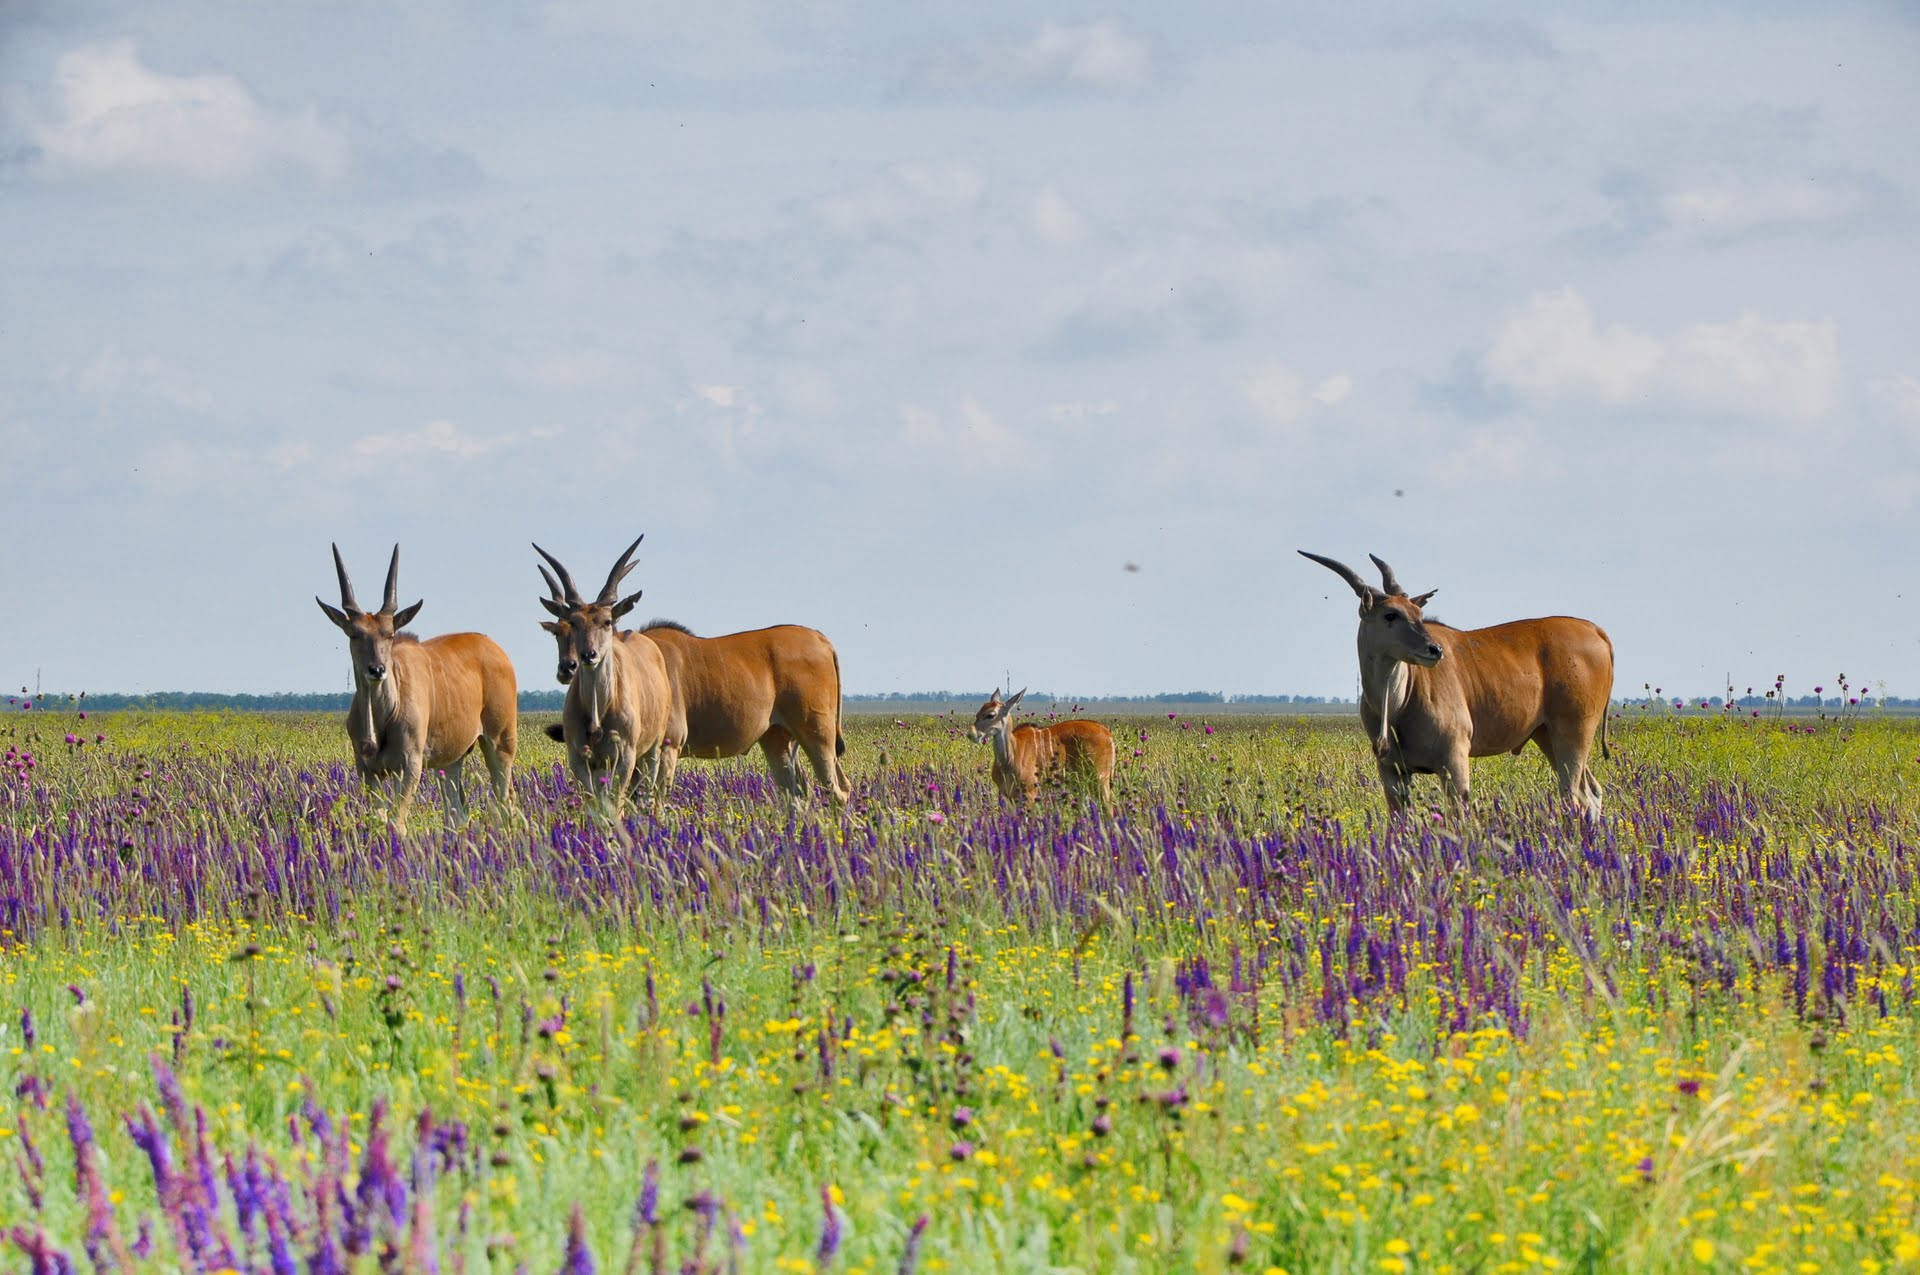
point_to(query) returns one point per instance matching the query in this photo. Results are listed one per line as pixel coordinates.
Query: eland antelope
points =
(1023, 756)
(778, 688)
(1433, 696)
(619, 701)
(423, 704)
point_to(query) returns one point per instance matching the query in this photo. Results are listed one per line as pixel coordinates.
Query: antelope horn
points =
(553, 585)
(392, 601)
(347, 603)
(572, 595)
(1386, 577)
(1342, 570)
(610, 591)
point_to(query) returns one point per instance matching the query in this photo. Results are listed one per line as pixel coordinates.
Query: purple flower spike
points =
(579, 1260)
(910, 1256)
(829, 1228)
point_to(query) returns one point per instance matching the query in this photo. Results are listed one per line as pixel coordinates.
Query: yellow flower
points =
(1399, 1248)
(1908, 1247)
(1703, 1251)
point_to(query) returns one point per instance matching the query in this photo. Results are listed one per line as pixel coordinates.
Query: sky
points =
(923, 324)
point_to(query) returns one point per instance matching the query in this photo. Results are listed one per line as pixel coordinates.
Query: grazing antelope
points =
(778, 688)
(1433, 696)
(619, 702)
(423, 704)
(1025, 755)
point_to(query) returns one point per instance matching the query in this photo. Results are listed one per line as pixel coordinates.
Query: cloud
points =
(1334, 390)
(1723, 209)
(1096, 57)
(435, 438)
(1503, 91)
(1279, 395)
(1506, 452)
(971, 438)
(1552, 350)
(901, 196)
(1897, 399)
(1055, 220)
(1186, 287)
(107, 115)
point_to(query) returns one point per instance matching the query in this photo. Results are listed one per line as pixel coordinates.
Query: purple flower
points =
(579, 1261)
(910, 1256)
(829, 1228)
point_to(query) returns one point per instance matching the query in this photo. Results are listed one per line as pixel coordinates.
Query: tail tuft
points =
(839, 744)
(557, 733)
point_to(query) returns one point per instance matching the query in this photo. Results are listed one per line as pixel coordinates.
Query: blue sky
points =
(917, 323)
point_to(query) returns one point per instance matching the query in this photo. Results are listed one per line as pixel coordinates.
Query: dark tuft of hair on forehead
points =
(404, 636)
(675, 625)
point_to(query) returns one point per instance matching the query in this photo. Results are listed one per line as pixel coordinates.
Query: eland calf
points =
(619, 702)
(1023, 756)
(419, 705)
(1433, 696)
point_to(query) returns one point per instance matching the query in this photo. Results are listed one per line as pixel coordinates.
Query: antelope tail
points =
(839, 740)
(1605, 752)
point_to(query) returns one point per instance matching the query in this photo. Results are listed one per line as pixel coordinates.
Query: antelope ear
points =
(626, 604)
(405, 616)
(1370, 598)
(335, 614)
(1022, 694)
(1423, 599)
(550, 627)
(556, 609)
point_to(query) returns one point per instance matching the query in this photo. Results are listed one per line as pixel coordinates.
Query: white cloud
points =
(1754, 367)
(1099, 56)
(1334, 390)
(1082, 410)
(1279, 395)
(112, 377)
(106, 114)
(1726, 210)
(971, 437)
(1898, 400)
(1502, 453)
(435, 438)
(1057, 221)
(719, 395)
(1553, 350)
(903, 195)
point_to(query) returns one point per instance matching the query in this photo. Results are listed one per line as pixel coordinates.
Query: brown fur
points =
(615, 715)
(434, 701)
(778, 688)
(1025, 756)
(1489, 691)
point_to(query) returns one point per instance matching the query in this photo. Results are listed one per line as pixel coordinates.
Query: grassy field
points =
(1240, 1024)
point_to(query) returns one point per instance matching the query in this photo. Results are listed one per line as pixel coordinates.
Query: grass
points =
(1242, 1024)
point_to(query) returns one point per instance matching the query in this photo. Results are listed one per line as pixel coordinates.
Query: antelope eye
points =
(1391, 616)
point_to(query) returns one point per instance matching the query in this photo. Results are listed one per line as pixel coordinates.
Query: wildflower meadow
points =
(1236, 1022)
